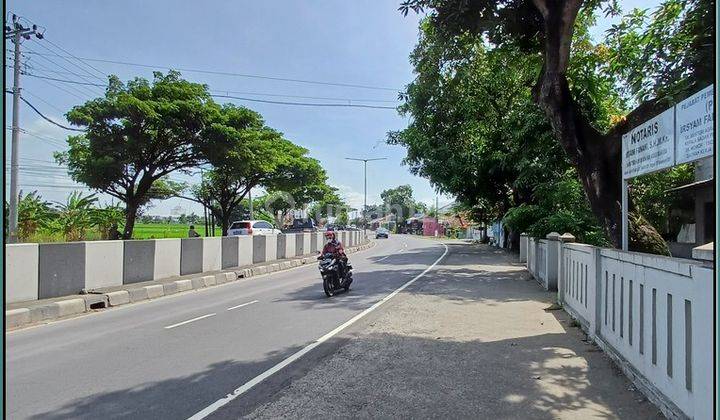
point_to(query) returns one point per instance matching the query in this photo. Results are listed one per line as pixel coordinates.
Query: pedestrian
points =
(192, 233)
(113, 233)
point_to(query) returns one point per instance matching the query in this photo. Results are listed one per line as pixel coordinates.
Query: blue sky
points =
(354, 42)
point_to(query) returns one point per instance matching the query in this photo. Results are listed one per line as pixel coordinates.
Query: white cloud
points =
(354, 199)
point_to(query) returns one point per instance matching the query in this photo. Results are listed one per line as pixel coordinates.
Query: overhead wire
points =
(44, 57)
(233, 74)
(215, 95)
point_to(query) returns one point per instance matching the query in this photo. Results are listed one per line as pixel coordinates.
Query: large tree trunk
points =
(131, 209)
(595, 156)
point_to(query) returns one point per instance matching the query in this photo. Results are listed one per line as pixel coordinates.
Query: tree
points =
(137, 134)
(309, 183)
(328, 205)
(548, 27)
(245, 154)
(400, 202)
(342, 218)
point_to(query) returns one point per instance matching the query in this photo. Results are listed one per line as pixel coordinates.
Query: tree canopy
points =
(562, 86)
(138, 133)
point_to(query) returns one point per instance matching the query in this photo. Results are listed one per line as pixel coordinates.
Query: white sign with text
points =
(649, 147)
(694, 133)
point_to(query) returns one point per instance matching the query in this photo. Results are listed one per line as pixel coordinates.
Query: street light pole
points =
(365, 161)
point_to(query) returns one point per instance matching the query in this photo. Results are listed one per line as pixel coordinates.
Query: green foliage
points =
(561, 207)
(400, 202)
(329, 205)
(654, 54)
(342, 218)
(106, 218)
(136, 134)
(656, 204)
(74, 217)
(245, 153)
(33, 214)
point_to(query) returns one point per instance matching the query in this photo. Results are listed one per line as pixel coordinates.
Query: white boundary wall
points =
(653, 315)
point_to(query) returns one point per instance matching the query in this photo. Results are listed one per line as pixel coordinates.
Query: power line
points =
(303, 103)
(39, 98)
(225, 73)
(44, 56)
(77, 58)
(349, 105)
(44, 117)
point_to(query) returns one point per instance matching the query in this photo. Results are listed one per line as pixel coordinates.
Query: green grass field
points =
(161, 231)
(141, 231)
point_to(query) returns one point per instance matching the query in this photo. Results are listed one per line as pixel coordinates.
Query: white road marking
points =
(241, 305)
(189, 321)
(261, 377)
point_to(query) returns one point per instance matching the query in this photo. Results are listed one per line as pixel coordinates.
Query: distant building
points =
(702, 213)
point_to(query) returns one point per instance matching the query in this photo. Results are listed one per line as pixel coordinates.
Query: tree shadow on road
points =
(178, 397)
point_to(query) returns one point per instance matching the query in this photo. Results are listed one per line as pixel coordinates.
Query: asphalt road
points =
(175, 356)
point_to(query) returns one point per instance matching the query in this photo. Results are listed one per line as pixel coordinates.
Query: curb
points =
(21, 317)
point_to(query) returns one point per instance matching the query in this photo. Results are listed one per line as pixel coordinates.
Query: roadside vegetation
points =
(519, 113)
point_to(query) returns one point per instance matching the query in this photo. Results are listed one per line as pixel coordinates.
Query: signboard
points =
(694, 126)
(649, 147)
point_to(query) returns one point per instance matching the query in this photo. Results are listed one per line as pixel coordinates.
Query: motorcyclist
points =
(335, 247)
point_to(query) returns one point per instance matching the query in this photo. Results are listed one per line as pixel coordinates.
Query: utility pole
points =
(17, 32)
(365, 161)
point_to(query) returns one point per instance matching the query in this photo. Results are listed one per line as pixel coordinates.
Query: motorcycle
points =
(333, 279)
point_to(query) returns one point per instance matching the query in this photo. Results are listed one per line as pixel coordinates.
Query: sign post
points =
(681, 134)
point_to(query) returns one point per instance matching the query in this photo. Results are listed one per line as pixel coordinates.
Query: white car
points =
(252, 227)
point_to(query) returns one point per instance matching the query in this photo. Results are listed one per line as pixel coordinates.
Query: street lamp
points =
(365, 161)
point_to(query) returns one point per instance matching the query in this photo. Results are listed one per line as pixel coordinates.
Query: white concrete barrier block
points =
(21, 272)
(155, 291)
(270, 247)
(70, 307)
(245, 250)
(167, 258)
(103, 264)
(212, 254)
(184, 285)
(306, 243)
(209, 281)
(290, 245)
(120, 297)
(230, 276)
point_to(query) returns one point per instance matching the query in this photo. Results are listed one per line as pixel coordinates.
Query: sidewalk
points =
(471, 339)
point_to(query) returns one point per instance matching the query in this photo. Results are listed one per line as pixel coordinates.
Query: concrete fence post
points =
(551, 260)
(565, 238)
(523, 247)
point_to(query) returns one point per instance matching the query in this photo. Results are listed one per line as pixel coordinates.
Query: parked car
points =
(252, 227)
(382, 233)
(302, 225)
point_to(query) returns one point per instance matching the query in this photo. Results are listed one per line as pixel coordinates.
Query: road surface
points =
(176, 356)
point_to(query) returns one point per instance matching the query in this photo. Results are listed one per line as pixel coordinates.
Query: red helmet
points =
(330, 234)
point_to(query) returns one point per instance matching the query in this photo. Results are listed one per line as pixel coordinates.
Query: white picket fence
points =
(653, 315)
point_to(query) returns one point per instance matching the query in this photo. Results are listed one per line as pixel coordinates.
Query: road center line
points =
(241, 305)
(189, 321)
(256, 380)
